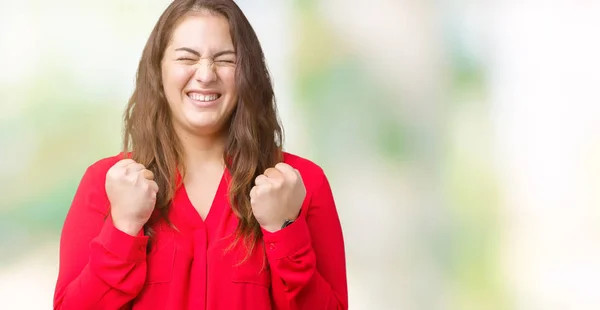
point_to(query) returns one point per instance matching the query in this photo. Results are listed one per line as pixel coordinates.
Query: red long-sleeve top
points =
(188, 267)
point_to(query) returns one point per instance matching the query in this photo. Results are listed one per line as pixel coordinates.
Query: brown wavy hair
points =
(255, 135)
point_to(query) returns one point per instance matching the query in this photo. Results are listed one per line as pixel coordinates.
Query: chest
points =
(201, 192)
(188, 259)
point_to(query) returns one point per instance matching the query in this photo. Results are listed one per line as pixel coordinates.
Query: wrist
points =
(128, 227)
(279, 226)
(282, 223)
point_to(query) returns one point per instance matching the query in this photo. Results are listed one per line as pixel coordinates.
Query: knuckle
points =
(281, 166)
(114, 173)
(270, 171)
(261, 178)
(293, 178)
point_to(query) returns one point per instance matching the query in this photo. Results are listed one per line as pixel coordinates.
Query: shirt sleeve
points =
(100, 267)
(308, 256)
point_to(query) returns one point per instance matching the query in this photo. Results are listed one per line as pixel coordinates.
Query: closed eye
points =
(225, 62)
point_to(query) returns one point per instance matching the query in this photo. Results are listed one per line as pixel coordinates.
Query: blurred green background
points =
(461, 138)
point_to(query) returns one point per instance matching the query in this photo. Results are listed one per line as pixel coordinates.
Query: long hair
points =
(255, 136)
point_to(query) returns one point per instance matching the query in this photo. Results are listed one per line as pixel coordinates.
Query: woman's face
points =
(198, 73)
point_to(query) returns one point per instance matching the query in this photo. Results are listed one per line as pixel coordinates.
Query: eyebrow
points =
(192, 51)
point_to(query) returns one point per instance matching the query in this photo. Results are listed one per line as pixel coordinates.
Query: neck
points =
(202, 152)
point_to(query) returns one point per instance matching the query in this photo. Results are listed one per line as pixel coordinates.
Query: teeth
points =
(204, 98)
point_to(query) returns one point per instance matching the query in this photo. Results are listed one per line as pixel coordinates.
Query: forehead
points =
(201, 31)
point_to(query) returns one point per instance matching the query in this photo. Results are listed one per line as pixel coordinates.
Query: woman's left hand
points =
(277, 196)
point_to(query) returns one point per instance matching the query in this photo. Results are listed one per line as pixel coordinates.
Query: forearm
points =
(294, 264)
(113, 276)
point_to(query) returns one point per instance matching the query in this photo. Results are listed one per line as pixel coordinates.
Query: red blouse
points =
(102, 267)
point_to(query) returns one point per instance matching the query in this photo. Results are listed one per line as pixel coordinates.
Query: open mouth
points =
(204, 98)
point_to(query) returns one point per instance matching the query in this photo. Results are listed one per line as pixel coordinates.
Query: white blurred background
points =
(461, 138)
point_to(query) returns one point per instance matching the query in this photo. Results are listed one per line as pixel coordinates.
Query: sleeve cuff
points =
(121, 244)
(287, 241)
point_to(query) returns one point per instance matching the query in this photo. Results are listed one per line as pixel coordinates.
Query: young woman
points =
(203, 209)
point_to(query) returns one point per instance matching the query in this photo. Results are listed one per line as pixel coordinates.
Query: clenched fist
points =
(277, 196)
(131, 190)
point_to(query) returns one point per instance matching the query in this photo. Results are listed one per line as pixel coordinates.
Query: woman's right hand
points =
(131, 190)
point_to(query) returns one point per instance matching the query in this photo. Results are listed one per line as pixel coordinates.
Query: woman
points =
(202, 210)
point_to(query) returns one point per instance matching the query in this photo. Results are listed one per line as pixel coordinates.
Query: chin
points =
(203, 124)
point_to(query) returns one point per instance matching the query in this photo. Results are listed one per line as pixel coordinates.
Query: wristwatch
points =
(286, 223)
(289, 222)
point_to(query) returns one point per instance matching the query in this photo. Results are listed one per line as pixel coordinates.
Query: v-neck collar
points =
(182, 201)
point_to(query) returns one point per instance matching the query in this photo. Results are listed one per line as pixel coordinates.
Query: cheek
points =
(228, 79)
(175, 78)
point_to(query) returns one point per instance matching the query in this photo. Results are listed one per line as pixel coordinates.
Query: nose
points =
(205, 71)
